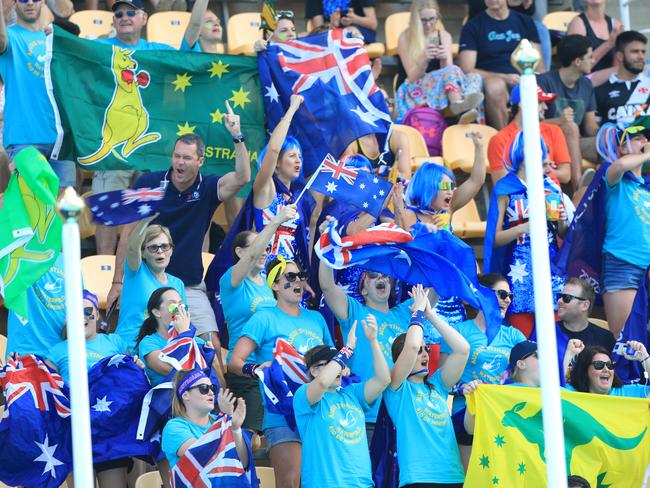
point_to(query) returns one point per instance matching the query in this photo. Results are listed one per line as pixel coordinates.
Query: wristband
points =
(343, 356)
(238, 139)
(249, 369)
(418, 318)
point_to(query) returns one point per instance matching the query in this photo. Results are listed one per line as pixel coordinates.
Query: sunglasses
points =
(502, 294)
(25, 1)
(121, 13)
(566, 298)
(630, 131)
(429, 20)
(89, 311)
(447, 185)
(374, 275)
(599, 365)
(424, 348)
(154, 248)
(291, 277)
(283, 14)
(204, 389)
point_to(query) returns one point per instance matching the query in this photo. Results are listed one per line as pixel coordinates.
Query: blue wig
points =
(423, 187)
(358, 161)
(290, 142)
(517, 153)
(608, 141)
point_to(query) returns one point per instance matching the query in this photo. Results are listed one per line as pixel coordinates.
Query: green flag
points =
(124, 109)
(30, 240)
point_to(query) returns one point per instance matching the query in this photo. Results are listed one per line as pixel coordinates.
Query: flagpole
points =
(526, 58)
(70, 206)
(309, 183)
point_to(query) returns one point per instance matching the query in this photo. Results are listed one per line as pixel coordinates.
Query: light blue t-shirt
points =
(137, 287)
(104, 345)
(28, 112)
(630, 391)
(41, 329)
(334, 442)
(185, 47)
(628, 221)
(150, 343)
(426, 444)
(303, 332)
(240, 303)
(142, 45)
(179, 430)
(389, 325)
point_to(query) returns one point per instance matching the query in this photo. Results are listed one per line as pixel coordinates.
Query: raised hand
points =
(351, 340)
(286, 213)
(370, 327)
(420, 298)
(239, 414)
(232, 122)
(182, 318)
(226, 401)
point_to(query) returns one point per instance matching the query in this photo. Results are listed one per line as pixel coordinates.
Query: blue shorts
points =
(620, 275)
(278, 435)
(65, 170)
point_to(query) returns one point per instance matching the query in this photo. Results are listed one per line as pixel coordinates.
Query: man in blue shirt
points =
(29, 117)
(486, 43)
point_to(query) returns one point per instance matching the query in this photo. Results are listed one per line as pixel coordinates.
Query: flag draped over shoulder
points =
(341, 100)
(508, 450)
(122, 109)
(30, 240)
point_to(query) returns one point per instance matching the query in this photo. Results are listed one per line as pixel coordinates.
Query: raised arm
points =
(263, 188)
(134, 243)
(472, 186)
(334, 295)
(232, 182)
(226, 402)
(626, 163)
(193, 29)
(573, 348)
(118, 273)
(378, 383)
(4, 40)
(399, 146)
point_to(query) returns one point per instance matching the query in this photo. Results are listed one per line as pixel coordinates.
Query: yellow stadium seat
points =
(86, 224)
(419, 161)
(207, 260)
(168, 27)
(3, 349)
(600, 322)
(588, 165)
(97, 272)
(266, 476)
(558, 21)
(416, 141)
(149, 480)
(375, 50)
(93, 23)
(457, 148)
(395, 25)
(467, 223)
(243, 31)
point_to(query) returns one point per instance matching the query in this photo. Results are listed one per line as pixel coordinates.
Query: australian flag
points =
(183, 352)
(35, 436)
(361, 189)
(212, 461)
(341, 100)
(125, 206)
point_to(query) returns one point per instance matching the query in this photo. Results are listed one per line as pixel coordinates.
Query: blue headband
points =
(91, 297)
(187, 383)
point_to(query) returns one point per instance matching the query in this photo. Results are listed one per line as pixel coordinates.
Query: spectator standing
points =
(360, 14)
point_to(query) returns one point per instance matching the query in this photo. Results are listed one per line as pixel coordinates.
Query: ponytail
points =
(150, 324)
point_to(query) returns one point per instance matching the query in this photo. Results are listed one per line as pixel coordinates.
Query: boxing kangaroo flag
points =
(118, 108)
(30, 240)
(605, 449)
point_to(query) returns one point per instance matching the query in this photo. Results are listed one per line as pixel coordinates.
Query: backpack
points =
(431, 124)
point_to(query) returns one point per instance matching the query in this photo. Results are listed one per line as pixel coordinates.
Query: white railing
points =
(624, 7)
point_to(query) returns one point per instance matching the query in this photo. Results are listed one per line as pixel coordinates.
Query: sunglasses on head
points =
(566, 298)
(291, 277)
(121, 13)
(447, 185)
(204, 389)
(424, 348)
(154, 248)
(284, 14)
(89, 311)
(599, 365)
(503, 294)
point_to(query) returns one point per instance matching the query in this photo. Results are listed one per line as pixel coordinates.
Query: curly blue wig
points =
(358, 161)
(516, 153)
(423, 187)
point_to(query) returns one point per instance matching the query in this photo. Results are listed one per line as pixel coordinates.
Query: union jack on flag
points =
(338, 169)
(124, 206)
(182, 351)
(517, 213)
(142, 195)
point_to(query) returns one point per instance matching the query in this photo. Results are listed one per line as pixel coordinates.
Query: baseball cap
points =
(324, 353)
(542, 96)
(136, 4)
(521, 351)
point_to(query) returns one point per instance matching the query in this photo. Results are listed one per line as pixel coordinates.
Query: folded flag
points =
(156, 410)
(125, 206)
(605, 449)
(182, 351)
(365, 191)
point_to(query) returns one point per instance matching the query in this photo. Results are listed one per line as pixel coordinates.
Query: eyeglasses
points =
(424, 348)
(204, 389)
(503, 294)
(121, 13)
(566, 298)
(447, 185)
(154, 248)
(429, 20)
(284, 14)
(599, 365)
(291, 277)
(89, 311)
(374, 275)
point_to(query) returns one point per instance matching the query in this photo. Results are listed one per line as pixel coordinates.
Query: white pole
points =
(525, 58)
(70, 206)
(624, 8)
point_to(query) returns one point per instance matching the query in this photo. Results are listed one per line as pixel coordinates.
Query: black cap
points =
(136, 4)
(521, 351)
(326, 353)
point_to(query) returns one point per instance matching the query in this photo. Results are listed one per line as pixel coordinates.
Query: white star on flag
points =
(47, 457)
(375, 180)
(115, 205)
(103, 197)
(102, 405)
(117, 360)
(365, 204)
(331, 187)
(367, 117)
(362, 186)
(144, 209)
(272, 93)
(381, 193)
(518, 271)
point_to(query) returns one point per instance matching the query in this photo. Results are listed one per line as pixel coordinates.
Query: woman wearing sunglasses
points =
(499, 284)
(243, 292)
(303, 329)
(149, 250)
(193, 412)
(593, 372)
(417, 404)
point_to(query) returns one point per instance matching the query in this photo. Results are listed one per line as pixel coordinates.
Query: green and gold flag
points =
(606, 439)
(30, 235)
(118, 108)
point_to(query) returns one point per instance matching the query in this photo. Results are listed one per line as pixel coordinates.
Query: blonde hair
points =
(154, 231)
(178, 407)
(414, 34)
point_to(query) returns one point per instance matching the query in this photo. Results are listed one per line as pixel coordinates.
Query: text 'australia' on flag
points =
(341, 100)
(123, 109)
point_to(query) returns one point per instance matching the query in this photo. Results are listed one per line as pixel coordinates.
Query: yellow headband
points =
(278, 269)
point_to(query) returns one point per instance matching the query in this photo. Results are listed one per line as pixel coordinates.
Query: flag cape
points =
(508, 450)
(125, 206)
(341, 100)
(120, 109)
(30, 240)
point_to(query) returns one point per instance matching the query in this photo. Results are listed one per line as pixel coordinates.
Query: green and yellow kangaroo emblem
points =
(125, 120)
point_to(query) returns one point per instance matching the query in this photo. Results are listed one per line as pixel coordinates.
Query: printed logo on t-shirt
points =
(641, 200)
(507, 36)
(258, 300)
(36, 62)
(614, 94)
(429, 408)
(50, 295)
(346, 423)
(493, 362)
(387, 333)
(304, 339)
